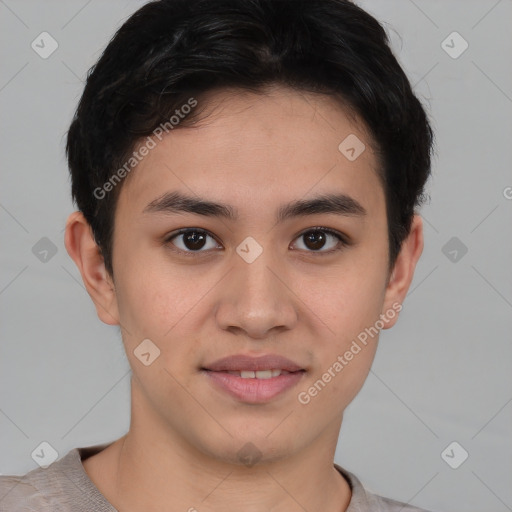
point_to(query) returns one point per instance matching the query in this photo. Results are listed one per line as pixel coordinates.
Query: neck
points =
(154, 469)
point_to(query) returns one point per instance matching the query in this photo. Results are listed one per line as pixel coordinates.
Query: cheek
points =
(347, 300)
(344, 361)
(164, 304)
(335, 384)
(152, 295)
(348, 304)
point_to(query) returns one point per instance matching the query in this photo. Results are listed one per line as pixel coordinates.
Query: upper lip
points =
(241, 362)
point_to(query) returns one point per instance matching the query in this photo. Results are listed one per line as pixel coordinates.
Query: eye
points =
(191, 240)
(319, 238)
(195, 240)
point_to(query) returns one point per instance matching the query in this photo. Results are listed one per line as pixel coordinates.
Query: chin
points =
(250, 448)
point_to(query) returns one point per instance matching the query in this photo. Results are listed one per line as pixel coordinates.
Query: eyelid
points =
(181, 231)
(343, 239)
(168, 240)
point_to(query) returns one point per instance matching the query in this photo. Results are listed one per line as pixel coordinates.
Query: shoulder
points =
(363, 500)
(63, 486)
(389, 505)
(18, 494)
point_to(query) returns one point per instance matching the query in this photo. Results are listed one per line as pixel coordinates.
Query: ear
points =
(86, 254)
(403, 273)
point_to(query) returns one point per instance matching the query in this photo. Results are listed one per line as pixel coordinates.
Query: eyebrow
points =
(177, 202)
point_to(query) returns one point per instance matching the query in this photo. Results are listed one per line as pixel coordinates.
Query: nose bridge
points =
(256, 299)
(259, 285)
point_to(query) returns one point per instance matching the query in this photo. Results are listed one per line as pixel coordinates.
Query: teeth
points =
(260, 374)
(264, 374)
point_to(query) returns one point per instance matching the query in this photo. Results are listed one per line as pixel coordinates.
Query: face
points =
(244, 280)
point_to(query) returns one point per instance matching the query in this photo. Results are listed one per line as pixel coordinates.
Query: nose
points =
(256, 299)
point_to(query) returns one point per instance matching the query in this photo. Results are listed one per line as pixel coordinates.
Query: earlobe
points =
(84, 251)
(403, 273)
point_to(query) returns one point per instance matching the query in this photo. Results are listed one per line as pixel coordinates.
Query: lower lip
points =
(254, 391)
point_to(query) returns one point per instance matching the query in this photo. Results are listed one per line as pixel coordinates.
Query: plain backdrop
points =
(441, 375)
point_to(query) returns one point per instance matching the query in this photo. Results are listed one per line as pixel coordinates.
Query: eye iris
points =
(194, 240)
(315, 239)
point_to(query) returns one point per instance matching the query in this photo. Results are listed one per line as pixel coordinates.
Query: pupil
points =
(194, 240)
(316, 239)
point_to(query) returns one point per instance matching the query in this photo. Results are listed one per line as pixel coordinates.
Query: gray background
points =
(442, 374)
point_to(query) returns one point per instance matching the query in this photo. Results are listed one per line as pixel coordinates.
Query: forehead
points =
(249, 148)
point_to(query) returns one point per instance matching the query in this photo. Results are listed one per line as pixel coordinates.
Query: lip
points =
(246, 362)
(253, 391)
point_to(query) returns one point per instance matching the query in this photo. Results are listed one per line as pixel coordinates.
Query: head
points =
(248, 123)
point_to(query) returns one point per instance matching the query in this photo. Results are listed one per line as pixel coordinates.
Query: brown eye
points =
(314, 240)
(192, 240)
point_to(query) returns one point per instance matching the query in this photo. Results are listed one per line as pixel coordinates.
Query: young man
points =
(246, 174)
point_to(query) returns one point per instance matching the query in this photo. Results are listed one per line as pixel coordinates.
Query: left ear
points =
(403, 273)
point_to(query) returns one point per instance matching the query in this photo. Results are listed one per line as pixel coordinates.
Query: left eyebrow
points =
(177, 202)
(340, 204)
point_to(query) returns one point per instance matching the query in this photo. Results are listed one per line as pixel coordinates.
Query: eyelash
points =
(341, 238)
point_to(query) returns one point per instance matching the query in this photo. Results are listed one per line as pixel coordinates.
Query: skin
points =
(253, 152)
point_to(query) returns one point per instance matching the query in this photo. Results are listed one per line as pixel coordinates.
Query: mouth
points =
(253, 380)
(260, 374)
(248, 363)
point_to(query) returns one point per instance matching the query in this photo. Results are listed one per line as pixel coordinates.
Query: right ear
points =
(86, 254)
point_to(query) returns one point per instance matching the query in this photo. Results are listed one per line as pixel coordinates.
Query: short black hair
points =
(170, 51)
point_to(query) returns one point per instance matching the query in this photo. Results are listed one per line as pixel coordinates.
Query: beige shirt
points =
(64, 486)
